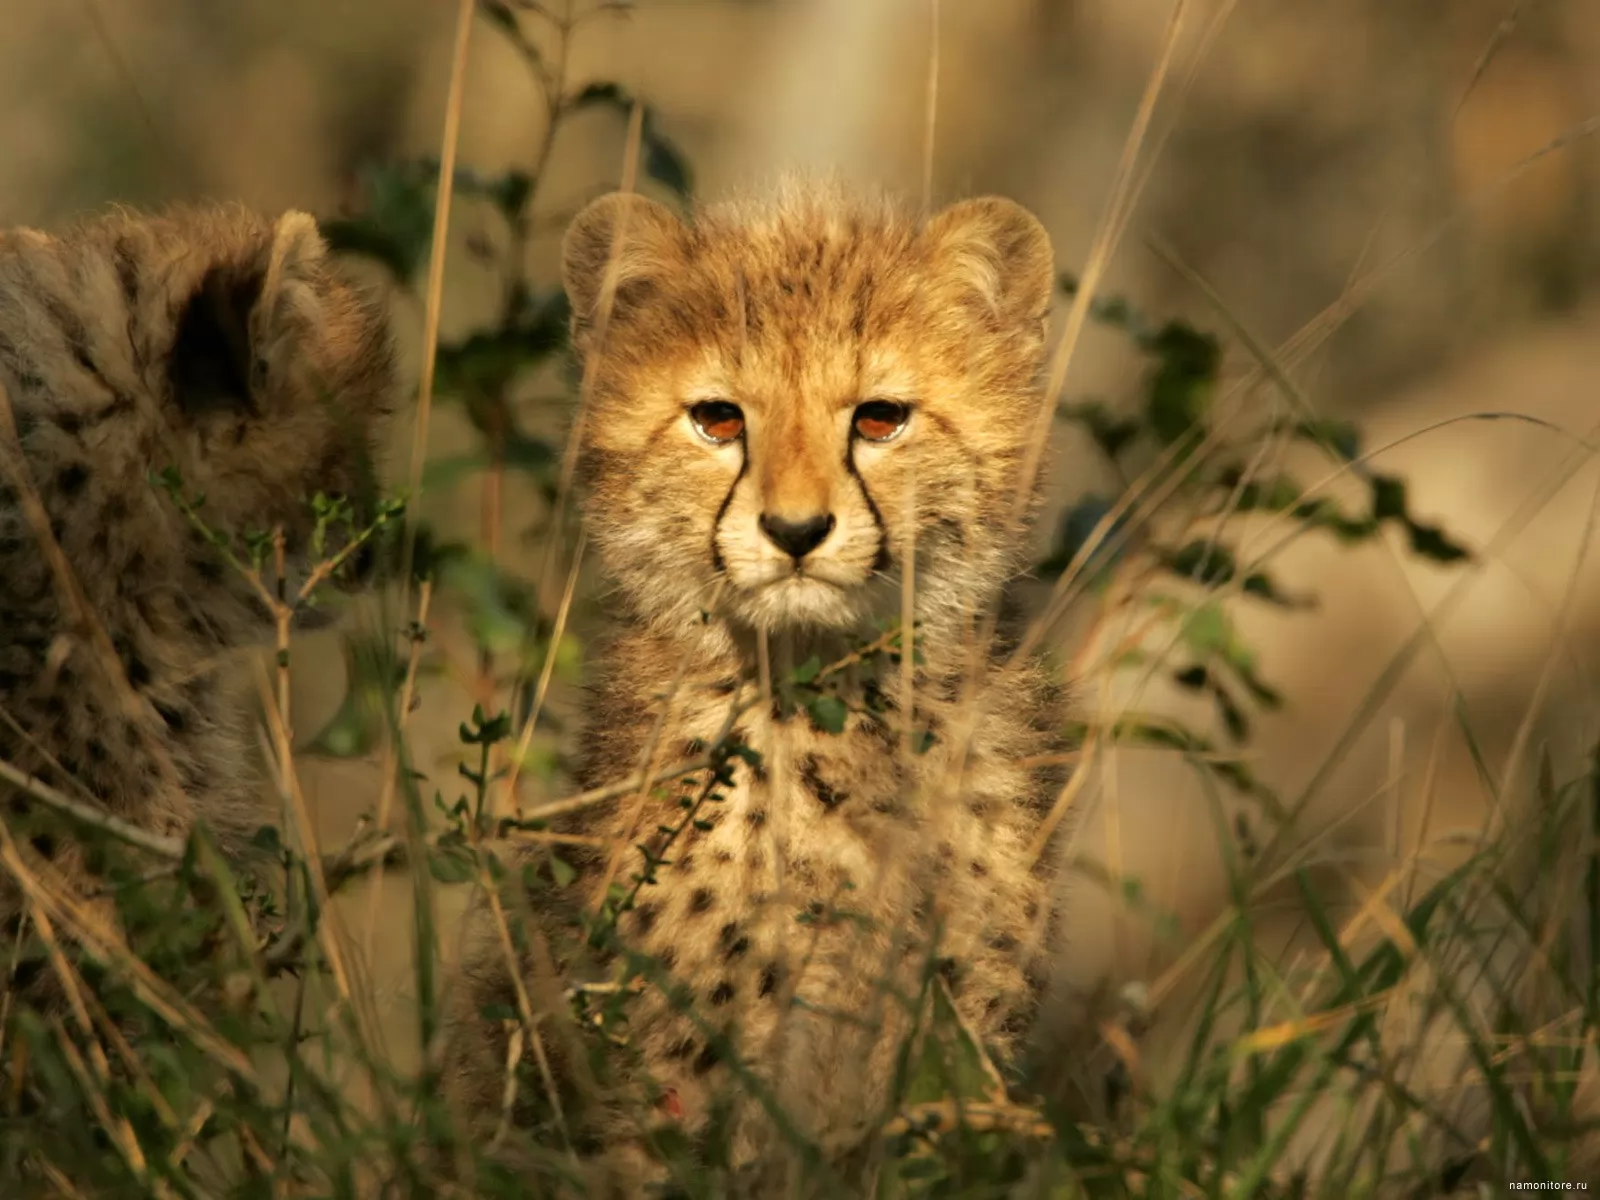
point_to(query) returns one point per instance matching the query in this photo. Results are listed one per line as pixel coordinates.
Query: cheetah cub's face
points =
(781, 393)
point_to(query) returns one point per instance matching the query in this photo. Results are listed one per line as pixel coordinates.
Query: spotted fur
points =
(815, 887)
(213, 340)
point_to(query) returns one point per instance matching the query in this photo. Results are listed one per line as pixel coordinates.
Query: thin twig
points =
(37, 789)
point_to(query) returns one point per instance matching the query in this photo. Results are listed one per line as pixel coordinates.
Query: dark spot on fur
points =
(685, 864)
(756, 818)
(44, 844)
(27, 974)
(980, 868)
(706, 1059)
(738, 948)
(644, 917)
(702, 900)
(668, 958)
(981, 809)
(725, 687)
(175, 718)
(70, 480)
(950, 972)
(70, 423)
(1003, 942)
(724, 857)
(722, 993)
(1015, 1025)
(810, 775)
(769, 979)
(1031, 911)
(681, 1049)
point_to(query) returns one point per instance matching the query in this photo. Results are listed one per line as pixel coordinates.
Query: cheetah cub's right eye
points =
(718, 421)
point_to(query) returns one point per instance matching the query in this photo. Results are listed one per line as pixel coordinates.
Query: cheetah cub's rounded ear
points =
(242, 323)
(612, 251)
(998, 251)
(295, 263)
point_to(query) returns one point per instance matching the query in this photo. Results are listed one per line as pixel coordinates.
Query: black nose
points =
(797, 538)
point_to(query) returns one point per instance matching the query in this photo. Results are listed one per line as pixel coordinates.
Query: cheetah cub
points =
(783, 392)
(210, 339)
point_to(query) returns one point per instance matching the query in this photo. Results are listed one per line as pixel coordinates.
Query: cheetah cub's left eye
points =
(880, 420)
(717, 421)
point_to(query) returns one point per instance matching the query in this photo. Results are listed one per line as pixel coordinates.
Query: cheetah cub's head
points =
(276, 372)
(781, 392)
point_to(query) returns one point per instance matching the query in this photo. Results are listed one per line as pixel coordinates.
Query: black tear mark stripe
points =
(882, 560)
(717, 564)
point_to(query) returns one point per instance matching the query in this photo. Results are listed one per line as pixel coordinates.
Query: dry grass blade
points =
(167, 847)
(451, 136)
(152, 991)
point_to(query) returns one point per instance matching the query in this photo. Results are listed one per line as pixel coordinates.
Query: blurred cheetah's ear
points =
(998, 250)
(613, 252)
(209, 367)
(233, 326)
(295, 263)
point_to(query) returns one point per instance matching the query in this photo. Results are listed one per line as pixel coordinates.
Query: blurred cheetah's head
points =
(278, 373)
(779, 388)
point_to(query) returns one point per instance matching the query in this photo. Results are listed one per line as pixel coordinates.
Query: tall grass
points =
(1437, 1033)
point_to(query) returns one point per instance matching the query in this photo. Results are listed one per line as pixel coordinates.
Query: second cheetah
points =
(782, 390)
(215, 341)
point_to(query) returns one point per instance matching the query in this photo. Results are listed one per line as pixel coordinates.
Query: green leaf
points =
(395, 223)
(451, 865)
(1204, 561)
(663, 160)
(1388, 498)
(1342, 437)
(808, 670)
(1078, 525)
(1260, 585)
(1431, 542)
(1207, 630)
(828, 713)
(1181, 386)
(1112, 434)
(561, 871)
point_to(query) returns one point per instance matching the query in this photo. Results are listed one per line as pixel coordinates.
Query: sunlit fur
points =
(798, 305)
(798, 309)
(214, 340)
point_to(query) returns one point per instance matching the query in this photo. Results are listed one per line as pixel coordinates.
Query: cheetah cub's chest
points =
(802, 906)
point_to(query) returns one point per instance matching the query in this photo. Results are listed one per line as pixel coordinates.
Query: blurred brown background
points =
(1311, 143)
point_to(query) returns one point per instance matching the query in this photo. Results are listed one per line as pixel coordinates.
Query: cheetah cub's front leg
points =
(215, 341)
(786, 393)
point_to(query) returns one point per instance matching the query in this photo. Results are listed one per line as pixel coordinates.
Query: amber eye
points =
(880, 420)
(717, 421)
